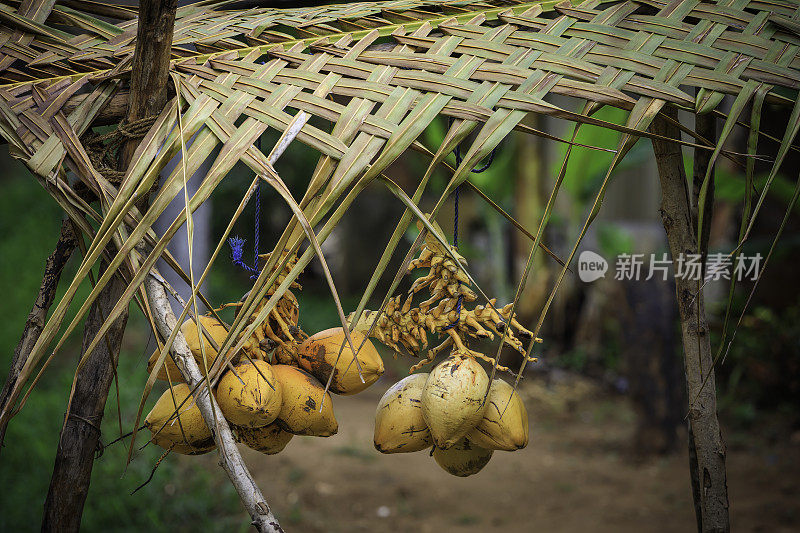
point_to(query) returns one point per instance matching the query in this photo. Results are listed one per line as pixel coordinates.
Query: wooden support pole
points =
(80, 436)
(676, 213)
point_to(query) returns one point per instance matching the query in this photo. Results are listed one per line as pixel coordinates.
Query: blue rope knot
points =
(237, 250)
(237, 243)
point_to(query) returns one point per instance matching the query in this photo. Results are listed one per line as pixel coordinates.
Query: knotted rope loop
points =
(103, 150)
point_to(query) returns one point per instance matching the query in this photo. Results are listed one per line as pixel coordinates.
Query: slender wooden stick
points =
(36, 318)
(229, 457)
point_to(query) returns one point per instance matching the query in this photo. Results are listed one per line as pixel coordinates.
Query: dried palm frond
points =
(373, 76)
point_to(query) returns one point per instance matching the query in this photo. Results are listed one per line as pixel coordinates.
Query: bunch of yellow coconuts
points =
(446, 409)
(265, 404)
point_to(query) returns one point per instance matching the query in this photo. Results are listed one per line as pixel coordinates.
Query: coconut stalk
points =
(709, 476)
(80, 435)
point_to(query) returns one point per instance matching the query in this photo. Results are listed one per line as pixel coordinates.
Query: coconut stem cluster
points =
(281, 330)
(405, 328)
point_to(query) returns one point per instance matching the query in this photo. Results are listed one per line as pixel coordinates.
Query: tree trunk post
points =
(80, 436)
(676, 214)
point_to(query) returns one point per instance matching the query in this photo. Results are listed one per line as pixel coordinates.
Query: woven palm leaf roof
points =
(615, 56)
(373, 76)
(77, 36)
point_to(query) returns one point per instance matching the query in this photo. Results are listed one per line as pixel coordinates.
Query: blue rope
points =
(237, 243)
(455, 243)
(459, 159)
(485, 167)
(458, 312)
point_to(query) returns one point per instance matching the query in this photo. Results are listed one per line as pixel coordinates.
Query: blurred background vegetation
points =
(587, 333)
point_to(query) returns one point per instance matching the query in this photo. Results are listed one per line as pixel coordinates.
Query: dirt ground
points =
(575, 475)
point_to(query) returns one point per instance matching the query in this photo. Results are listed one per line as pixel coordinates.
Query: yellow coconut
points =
(452, 399)
(249, 395)
(319, 355)
(269, 439)
(504, 425)
(302, 396)
(213, 329)
(168, 370)
(399, 424)
(463, 458)
(178, 423)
